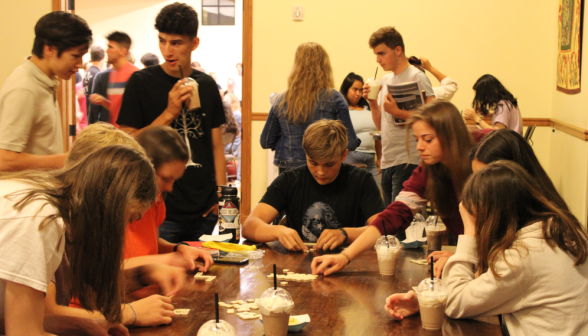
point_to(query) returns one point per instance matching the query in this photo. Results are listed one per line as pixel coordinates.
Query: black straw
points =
(216, 306)
(181, 72)
(432, 269)
(436, 218)
(385, 233)
(376, 73)
(275, 278)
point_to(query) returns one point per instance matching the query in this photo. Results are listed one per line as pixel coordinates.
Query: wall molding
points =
(575, 131)
(578, 132)
(259, 116)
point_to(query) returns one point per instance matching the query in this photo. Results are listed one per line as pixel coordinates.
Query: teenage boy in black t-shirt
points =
(155, 96)
(327, 201)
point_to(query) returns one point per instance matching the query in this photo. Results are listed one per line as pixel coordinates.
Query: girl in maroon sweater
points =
(444, 144)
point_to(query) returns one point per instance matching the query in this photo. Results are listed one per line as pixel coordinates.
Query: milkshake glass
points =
(375, 85)
(211, 328)
(387, 254)
(432, 300)
(435, 234)
(275, 306)
(194, 101)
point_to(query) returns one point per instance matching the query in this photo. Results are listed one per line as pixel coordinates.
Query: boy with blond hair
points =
(327, 201)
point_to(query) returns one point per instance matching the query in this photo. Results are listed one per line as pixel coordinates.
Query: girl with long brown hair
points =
(309, 97)
(522, 256)
(84, 208)
(444, 144)
(530, 254)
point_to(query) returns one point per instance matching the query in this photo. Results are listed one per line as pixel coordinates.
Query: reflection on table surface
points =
(347, 303)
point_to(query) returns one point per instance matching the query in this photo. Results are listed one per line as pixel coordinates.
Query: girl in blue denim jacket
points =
(309, 97)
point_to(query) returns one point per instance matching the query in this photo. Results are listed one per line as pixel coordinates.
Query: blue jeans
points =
(392, 180)
(175, 232)
(367, 158)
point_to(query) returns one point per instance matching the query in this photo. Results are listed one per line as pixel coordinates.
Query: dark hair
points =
(416, 62)
(231, 126)
(504, 198)
(163, 144)
(346, 85)
(489, 92)
(96, 53)
(61, 30)
(149, 59)
(456, 143)
(177, 18)
(387, 35)
(123, 39)
(509, 145)
(93, 197)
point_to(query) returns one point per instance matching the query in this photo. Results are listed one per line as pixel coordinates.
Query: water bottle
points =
(228, 213)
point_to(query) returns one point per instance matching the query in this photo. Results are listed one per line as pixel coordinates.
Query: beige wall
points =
(513, 40)
(569, 155)
(17, 23)
(220, 47)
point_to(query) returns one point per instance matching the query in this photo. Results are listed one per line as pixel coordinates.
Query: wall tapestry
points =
(569, 56)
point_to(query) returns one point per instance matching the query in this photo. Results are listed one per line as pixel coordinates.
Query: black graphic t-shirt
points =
(144, 100)
(349, 201)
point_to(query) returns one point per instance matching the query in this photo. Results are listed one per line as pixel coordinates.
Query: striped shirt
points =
(116, 88)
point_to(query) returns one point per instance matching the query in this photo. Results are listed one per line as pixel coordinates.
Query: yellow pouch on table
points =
(228, 247)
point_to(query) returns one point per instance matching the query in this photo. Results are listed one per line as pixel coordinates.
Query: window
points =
(218, 12)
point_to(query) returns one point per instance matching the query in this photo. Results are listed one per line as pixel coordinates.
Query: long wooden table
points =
(347, 303)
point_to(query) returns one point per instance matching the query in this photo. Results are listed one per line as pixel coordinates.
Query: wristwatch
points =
(344, 234)
(178, 244)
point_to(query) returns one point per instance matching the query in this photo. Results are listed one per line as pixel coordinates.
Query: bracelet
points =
(134, 313)
(348, 259)
(178, 244)
(344, 234)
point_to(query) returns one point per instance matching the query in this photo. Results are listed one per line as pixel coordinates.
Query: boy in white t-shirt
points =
(388, 46)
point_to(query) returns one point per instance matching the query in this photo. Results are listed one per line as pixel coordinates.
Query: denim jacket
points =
(286, 138)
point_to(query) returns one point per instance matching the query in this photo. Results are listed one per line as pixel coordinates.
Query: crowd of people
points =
(80, 230)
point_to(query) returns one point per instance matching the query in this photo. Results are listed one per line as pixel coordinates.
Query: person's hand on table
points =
(470, 114)
(329, 264)
(330, 239)
(153, 310)
(169, 278)
(399, 306)
(440, 258)
(290, 239)
(190, 254)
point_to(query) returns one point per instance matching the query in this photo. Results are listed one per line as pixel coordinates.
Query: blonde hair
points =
(311, 75)
(235, 104)
(325, 140)
(97, 136)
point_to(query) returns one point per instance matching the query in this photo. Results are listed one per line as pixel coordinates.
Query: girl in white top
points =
(369, 151)
(521, 255)
(84, 208)
(492, 95)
